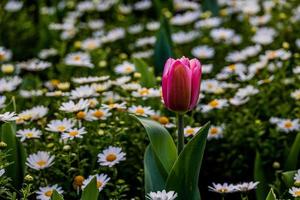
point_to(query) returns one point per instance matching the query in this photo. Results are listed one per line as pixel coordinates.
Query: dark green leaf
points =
(294, 155)
(288, 178)
(271, 195)
(161, 142)
(259, 175)
(16, 156)
(147, 74)
(154, 175)
(56, 196)
(90, 192)
(184, 175)
(211, 5)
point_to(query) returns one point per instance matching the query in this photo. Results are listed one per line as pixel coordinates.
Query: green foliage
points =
(211, 5)
(294, 155)
(288, 178)
(147, 75)
(90, 192)
(271, 195)
(184, 176)
(56, 196)
(16, 154)
(260, 175)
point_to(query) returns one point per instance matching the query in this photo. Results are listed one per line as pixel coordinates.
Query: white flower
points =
(222, 188)
(214, 104)
(215, 132)
(140, 110)
(79, 59)
(208, 23)
(5, 54)
(71, 106)
(40, 160)
(28, 134)
(146, 93)
(297, 176)
(264, 36)
(97, 114)
(288, 125)
(185, 18)
(31, 93)
(89, 79)
(182, 37)
(203, 52)
(294, 95)
(13, 6)
(8, 116)
(246, 186)
(46, 53)
(45, 193)
(102, 179)
(34, 113)
(295, 191)
(189, 131)
(125, 68)
(60, 125)
(34, 65)
(9, 84)
(90, 44)
(118, 106)
(222, 34)
(2, 171)
(111, 156)
(142, 5)
(73, 133)
(83, 92)
(162, 195)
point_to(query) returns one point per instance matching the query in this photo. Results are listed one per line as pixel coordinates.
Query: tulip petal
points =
(179, 87)
(165, 76)
(196, 80)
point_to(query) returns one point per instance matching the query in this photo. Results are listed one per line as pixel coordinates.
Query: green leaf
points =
(288, 178)
(90, 192)
(184, 175)
(271, 195)
(259, 175)
(211, 5)
(161, 142)
(16, 156)
(163, 46)
(294, 155)
(147, 74)
(154, 175)
(56, 196)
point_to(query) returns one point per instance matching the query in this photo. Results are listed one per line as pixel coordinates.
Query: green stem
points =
(180, 125)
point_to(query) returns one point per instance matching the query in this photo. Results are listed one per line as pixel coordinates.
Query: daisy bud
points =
(28, 178)
(3, 145)
(78, 181)
(181, 84)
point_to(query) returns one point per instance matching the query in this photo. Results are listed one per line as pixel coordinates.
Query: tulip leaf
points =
(161, 142)
(163, 46)
(288, 178)
(259, 175)
(155, 176)
(147, 74)
(184, 175)
(16, 156)
(294, 155)
(271, 195)
(211, 5)
(90, 192)
(56, 196)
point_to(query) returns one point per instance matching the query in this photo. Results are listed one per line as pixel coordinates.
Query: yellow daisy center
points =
(288, 124)
(41, 163)
(272, 55)
(232, 67)
(163, 120)
(144, 92)
(80, 115)
(49, 193)
(111, 157)
(26, 117)
(297, 193)
(128, 69)
(213, 131)
(98, 113)
(29, 135)
(61, 128)
(140, 111)
(73, 133)
(190, 131)
(214, 103)
(55, 82)
(77, 58)
(99, 184)
(2, 57)
(223, 190)
(91, 45)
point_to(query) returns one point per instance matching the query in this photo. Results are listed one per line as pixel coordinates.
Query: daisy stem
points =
(180, 125)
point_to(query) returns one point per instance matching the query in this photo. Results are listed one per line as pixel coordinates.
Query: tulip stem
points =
(180, 126)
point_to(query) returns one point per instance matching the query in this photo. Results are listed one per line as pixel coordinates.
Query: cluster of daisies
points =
(87, 78)
(295, 191)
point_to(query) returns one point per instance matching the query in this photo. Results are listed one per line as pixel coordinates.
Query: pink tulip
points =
(181, 84)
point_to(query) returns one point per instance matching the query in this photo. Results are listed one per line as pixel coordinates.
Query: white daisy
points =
(246, 186)
(297, 177)
(79, 59)
(28, 134)
(222, 188)
(214, 104)
(73, 133)
(97, 114)
(295, 192)
(2, 171)
(40, 160)
(140, 110)
(111, 156)
(60, 125)
(288, 125)
(215, 132)
(34, 113)
(83, 92)
(89, 79)
(45, 193)
(125, 68)
(190, 131)
(102, 180)
(146, 93)
(118, 106)
(203, 52)
(294, 95)
(162, 195)
(2, 101)
(8, 116)
(71, 106)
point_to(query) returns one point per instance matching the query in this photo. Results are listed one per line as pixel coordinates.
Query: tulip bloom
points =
(181, 84)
